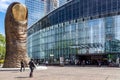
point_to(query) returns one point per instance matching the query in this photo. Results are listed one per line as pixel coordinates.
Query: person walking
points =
(99, 63)
(22, 65)
(31, 66)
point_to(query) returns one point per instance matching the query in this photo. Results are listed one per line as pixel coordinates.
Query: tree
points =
(2, 46)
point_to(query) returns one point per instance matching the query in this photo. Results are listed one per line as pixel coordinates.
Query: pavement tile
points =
(64, 73)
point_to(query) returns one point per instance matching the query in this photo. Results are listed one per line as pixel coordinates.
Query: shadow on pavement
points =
(22, 77)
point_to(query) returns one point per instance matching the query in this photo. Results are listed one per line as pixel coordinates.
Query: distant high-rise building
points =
(39, 8)
(51, 5)
(62, 2)
(35, 10)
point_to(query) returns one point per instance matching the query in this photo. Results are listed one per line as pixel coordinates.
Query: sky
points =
(3, 7)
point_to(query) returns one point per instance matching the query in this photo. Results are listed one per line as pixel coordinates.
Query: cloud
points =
(5, 3)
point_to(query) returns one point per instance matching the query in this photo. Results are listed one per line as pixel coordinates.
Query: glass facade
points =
(35, 10)
(77, 28)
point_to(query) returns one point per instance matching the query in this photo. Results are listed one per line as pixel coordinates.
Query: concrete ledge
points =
(27, 68)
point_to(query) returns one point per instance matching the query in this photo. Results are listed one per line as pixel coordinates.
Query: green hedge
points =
(1, 61)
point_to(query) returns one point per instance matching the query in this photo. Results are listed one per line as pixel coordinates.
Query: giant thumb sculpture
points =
(16, 34)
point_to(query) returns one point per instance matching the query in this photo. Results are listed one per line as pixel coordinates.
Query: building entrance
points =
(93, 59)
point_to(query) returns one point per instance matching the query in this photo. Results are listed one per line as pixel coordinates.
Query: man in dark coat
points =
(22, 66)
(31, 66)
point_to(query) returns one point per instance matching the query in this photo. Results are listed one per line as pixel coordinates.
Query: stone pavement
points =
(64, 73)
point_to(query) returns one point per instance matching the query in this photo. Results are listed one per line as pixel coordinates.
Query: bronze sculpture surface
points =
(16, 35)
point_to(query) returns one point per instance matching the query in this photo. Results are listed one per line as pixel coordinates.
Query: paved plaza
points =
(64, 73)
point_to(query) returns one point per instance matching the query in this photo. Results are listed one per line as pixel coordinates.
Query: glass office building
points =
(62, 2)
(51, 5)
(81, 29)
(35, 10)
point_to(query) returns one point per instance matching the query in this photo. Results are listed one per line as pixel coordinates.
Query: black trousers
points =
(31, 71)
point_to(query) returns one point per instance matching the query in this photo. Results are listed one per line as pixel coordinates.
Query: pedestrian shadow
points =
(22, 77)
